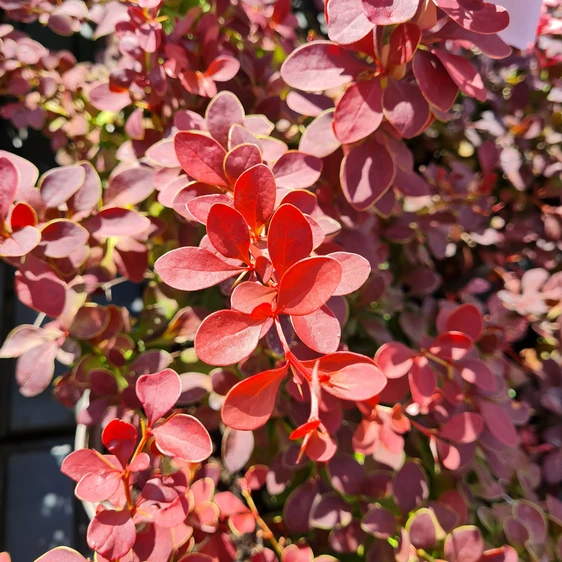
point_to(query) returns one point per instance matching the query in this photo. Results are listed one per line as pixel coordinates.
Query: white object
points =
(524, 18)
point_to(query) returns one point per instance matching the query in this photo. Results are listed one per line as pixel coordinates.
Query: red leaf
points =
(59, 554)
(22, 215)
(239, 159)
(464, 544)
(499, 423)
(119, 438)
(173, 513)
(463, 428)
(192, 269)
(9, 185)
(158, 393)
(249, 404)
(111, 533)
(60, 238)
(395, 359)
(434, 81)
(451, 345)
(185, 437)
(466, 319)
(223, 111)
(254, 196)
(201, 157)
(320, 330)
(347, 23)
(115, 221)
(390, 12)
(367, 173)
(476, 372)
(38, 287)
(359, 111)
(249, 295)
(228, 232)
(297, 170)
(307, 285)
(289, 238)
(464, 75)
(58, 185)
(355, 271)
(320, 65)
(480, 17)
(403, 43)
(226, 337)
(356, 382)
(405, 108)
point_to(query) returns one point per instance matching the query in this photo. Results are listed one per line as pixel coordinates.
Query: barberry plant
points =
(348, 251)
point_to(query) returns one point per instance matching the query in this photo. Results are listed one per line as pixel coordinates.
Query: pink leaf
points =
(250, 403)
(163, 154)
(367, 173)
(395, 359)
(115, 221)
(296, 170)
(129, 187)
(347, 23)
(237, 448)
(355, 271)
(111, 533)
(185, 437)
(200, 206)
(85, 461)
(320, 65)
(239, 159)
(464, 544)
(61, 237)
(26, 337)
(97, 487)
(20, 243)
(322, 275)
(423, 381)
(223, 68)
(359, 111)
(35, 368)
(405, 108)
(319, 139)
(226, 337)
(360, 381)
(38, 287)
(480, 17)
(390, 12)
(201, 157)
(476, 372)
(249, 295)
(58, 185)
(158, 393)
(434, 81)
(499, 423)
(192, 269)
(223, 111)
(464, 75)
(9, 185)
(319, 330)
(104, 99)
(59, 554)
(462, 428)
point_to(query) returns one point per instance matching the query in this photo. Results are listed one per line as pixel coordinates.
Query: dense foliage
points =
(349, 250)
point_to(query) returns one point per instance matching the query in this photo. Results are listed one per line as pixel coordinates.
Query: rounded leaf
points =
(111, 533)
(464, 544)
(185, 437)
(158, 393)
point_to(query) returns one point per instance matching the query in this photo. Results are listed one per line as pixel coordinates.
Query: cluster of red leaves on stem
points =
(348, 250)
